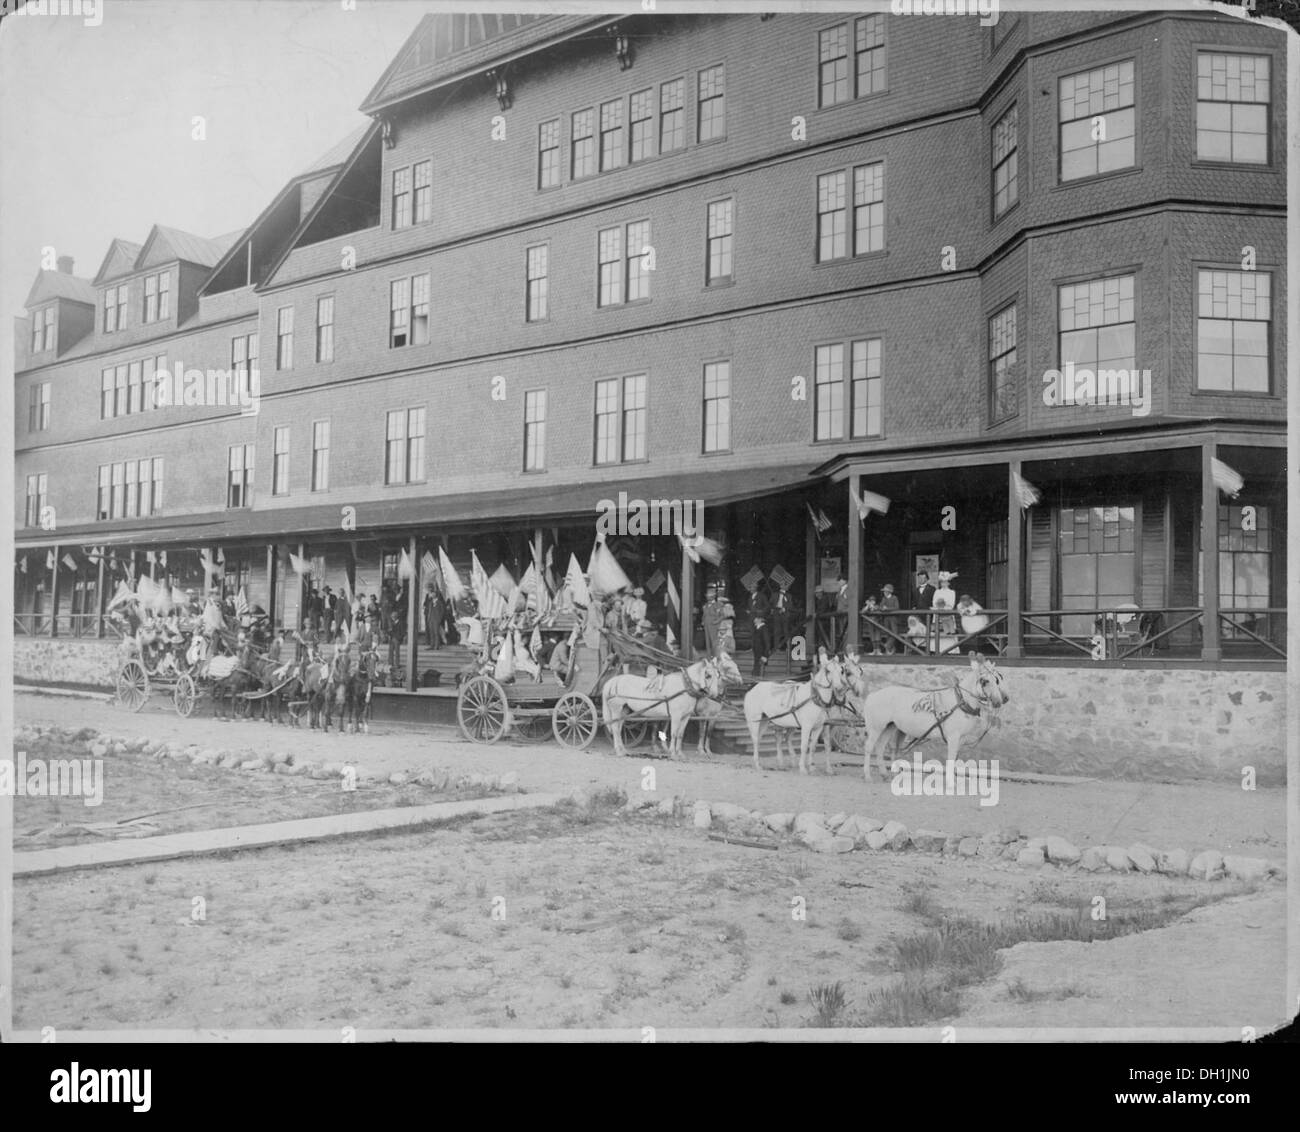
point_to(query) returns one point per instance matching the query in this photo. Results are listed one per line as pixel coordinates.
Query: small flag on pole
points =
(452, 586)
(300, 565)
(655, 581)
(819, 520)
(241, 602)
(491, 604)
(428, 564)
(150, 557)
(405, 567)
(70, 562)
(699, 547)
(49, 560)
(577, 584)
(751, 579)
(1026, 493)
(162, 558)
(867, 502)
(1226, 479)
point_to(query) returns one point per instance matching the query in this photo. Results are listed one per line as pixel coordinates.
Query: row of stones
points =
(843, 833)
(37, 739)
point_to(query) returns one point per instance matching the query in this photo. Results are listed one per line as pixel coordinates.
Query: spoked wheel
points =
(482, 710)
(132, 685)
(532, 728)
(185, 695)
(574, 721)
(635, 732)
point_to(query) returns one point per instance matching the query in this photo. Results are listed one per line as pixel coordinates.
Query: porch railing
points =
(1266, 627)
(1110, 632)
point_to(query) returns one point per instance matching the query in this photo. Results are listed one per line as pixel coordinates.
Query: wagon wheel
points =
(184, 695)
(482, 710)
(635, 732)
(574, 721)
(532, 728)
(132, 685)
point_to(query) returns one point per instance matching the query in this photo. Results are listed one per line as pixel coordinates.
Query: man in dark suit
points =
(924, 600)
(433, 613)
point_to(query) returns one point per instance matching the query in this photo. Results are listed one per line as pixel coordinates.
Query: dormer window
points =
(157, 296)
(115, 308)
(44, 321)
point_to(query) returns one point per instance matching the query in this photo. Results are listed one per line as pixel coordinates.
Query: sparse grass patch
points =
(848, 931)
(788, 998)
(829, 1003)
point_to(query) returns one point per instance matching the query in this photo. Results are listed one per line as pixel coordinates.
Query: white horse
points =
(855, 681)
(793, 704)
(952, 714)
(674, 696)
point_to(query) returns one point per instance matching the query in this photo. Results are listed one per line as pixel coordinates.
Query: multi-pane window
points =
(711, 121)
(869, 208)
(284, 338)
(1098, 122)
(1245, 566)
(1232, 100)
(325, 328)
(155, 372)
(130, 489)
(37, 487)
(835, 82)
(643, 124)
(582, 144)
(832, 233)
(38, 411)
(869, 47)
(621, 419)
(717, 407)
(1006, 185)
(538, 282)
(423, 191)
(718, 251)
(1097, 563)
(320, 456)
(402, 197)
(44, 322)
(157, 296)
(610, 262)
(1233, 330)
(996, 554)
(409, 312)
(858, 400)
(672, 115)
(833, 64)
(1002, 364)
(106, 394)
(404, 446)
(135, 375)
(535, 430)
(122, 389)
(611, 134)
(239, 477)
(638, 258)
(243, 362)
(1097, 324)
(548, 154)
(280, 462)
(115, 299)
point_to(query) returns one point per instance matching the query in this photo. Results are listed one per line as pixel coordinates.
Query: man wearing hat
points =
(711, 618)
(880, 640)
(781, 618)
(634, 607)
(759, 615)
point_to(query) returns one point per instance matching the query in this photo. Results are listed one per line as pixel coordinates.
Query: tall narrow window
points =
(38, 412)
(280, 463)
(712, 121)
(239, 480)
(621, 419)
(395, 448)
(157, 296)
(634, 417)
(123, 391)
(36, 499)
(119, 491)
(284, 339)
(869, 47)
(1098, 121)
(537, 282)
(132, 490)
(157, 485)
(610, 263)
(401, 197)
(548, 154)
(1233, 330)
(535, 430)
(1006, 182)
(1232, 105)
(320, 456)
(414, 445)
(419, 310)
(325, 328)
(115, 299)
(832, 233)
(423, 175)
(865, 391)
(1002, 364)
(583, 144)
(134, 374)
(672, 115)
(643, 124)
(243, 362)
(611, 134)
(869, 208)
(106, 394)
(718, 252)
(1097, 327)
(829, 394)
(409, 311)
(104, 498)
(155, 371)
(717, 407)
(638, 258)
(38, 330)
(164, 294)
(833, 64)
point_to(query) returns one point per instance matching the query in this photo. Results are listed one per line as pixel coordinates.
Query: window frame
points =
(38, 408)
(539, 425)
(161, 296)
(1132, 271)
(591, 163)
(616, 135)
(661, 116)
(36, 500)
(848, 404)
(1136, 166)
(620, 414)
(1270, 270)
(409, 310)
(994, 419)
(632, 122)
(720, 280)
(406, 440)
(701, 102)
(852, 57)
(557, 149)
(284, 338)
(246, 470)
(401, 200)
(706, 400)
(320, 456)
(421, 194)
(1270, 162)
(280, 460)
(544, 279)
(324, 339)
(1012, 107)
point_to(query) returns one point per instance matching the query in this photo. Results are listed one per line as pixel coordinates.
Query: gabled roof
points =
(430, 57)
(166, 245)
(337, 154)
(59, 285)
(119, 260)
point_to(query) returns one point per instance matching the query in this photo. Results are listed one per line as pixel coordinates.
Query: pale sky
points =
(95, 121)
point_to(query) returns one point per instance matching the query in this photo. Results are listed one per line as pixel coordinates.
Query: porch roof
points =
(539, 502)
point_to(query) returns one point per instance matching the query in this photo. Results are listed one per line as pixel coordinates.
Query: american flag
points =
(241, 602)
(1225, 478)
(1026, 493)
(428, 565)
(867, 502)
(452, 586)
(491, 604)
(819, 519)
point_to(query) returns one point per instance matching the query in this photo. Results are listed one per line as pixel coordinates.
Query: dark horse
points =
(365, 674)
(337, 682)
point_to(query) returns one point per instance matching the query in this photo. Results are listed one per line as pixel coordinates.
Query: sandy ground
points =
(1166, 816)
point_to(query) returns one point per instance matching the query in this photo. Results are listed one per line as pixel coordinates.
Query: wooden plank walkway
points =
(171, 846)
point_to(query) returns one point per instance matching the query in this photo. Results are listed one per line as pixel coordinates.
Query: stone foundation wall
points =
(65, 660)
(1171, 725)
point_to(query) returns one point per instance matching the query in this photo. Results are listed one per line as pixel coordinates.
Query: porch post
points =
(54, 595)
(302, 588)
(855, 564)
(270, 583)
(1210, 649)
(809, 631)
(100, 597)
(412, 615)
(1015, 564)
(687, 620)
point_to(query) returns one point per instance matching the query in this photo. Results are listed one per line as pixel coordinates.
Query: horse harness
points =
(837, 699)
(961, 705)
